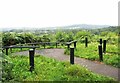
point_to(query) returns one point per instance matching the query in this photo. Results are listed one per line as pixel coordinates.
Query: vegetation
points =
(16, 68)
(91, 52)
(13, 38)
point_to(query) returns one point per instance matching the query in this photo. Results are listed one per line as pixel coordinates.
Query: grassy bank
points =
(91, 52)
(16, 68)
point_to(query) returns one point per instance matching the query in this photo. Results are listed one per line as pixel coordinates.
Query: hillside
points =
(75, 26)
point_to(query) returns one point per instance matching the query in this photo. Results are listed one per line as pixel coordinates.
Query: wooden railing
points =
(33, 45)
(15, 46)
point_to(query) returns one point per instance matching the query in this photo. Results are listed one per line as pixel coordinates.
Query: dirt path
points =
(95, 67)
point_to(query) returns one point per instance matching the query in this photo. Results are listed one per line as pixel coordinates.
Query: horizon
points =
(74, 26)
(50, 27)
(54, 13)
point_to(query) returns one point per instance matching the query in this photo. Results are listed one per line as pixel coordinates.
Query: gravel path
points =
(96, 67)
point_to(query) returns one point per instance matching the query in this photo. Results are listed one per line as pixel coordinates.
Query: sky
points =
(50, 13)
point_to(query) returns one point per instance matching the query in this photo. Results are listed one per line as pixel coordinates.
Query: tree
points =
(69, 37)
(9, 39)
(45, 38)
(60, 36)
(80, 36)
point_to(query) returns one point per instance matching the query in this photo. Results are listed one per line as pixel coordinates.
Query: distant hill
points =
(75, 26)
(84, 26)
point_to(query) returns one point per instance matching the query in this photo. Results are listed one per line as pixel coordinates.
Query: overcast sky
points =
(48, 13)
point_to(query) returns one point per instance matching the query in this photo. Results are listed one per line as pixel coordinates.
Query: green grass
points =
(53, 46)
(16, 68)
(91, 53)
(112, 48)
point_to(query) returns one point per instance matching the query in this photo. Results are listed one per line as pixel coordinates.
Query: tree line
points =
(13, 38)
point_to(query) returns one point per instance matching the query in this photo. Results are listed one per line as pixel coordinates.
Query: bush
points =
(7, 66)
(47, 69)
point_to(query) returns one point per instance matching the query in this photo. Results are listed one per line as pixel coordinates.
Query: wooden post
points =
(86, 41)
(71, 55)
(56, 44)
(44, 45)
(75, 44)
(101, 41)
(104, 46)
(11, 50)
(31, 59)
(100, 52)
(68, 45)
(21, 48)
(6, 51)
